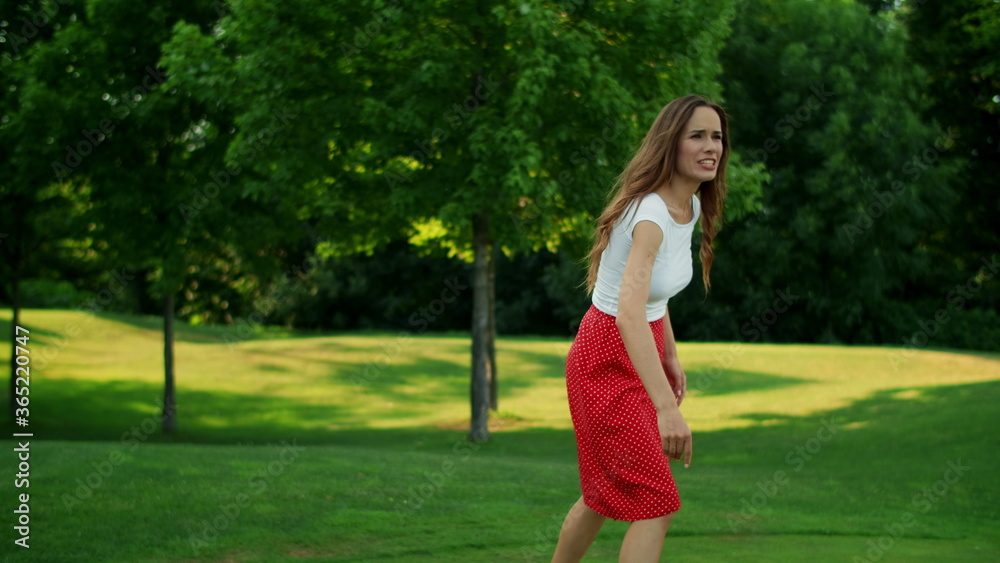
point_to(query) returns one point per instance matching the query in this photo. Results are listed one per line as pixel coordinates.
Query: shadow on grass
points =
(438, 380)
(6, 328)
(731, 381)
(727, 382)
(183, 332)
(891, 430)
(237, 333)
(921, 421)
(72, 409)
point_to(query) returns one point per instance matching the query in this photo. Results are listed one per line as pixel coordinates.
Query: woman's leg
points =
(578, 532)
(644, 540)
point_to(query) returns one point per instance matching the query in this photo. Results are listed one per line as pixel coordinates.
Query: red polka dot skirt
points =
(624, 473)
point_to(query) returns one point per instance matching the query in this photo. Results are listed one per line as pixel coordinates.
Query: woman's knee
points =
(669, 517)
(662, 522)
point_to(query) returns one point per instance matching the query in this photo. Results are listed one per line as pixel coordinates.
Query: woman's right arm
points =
(639, 343)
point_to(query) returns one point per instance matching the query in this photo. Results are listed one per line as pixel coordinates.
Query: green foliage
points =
(396, 288)
(438, 110)
(139, 157)
(43, 231)
(957, 43)
(824, 95)
(51, 294)
(745, 186)
(391, 289)
(857, 179)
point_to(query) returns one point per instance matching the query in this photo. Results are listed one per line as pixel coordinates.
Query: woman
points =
(624, 381)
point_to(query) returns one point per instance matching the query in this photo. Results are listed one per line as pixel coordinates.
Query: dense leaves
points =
(828, 99)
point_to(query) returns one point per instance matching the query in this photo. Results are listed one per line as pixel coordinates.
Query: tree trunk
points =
(15, 306)
(480, 390)
(144, 300)
(169, 418)
(491, 337)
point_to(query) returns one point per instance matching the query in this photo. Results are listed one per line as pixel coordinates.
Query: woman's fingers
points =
(676, 448)
(677, 378)
(679, 448)
(675, 436)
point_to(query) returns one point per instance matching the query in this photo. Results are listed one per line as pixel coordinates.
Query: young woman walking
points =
(624, 380)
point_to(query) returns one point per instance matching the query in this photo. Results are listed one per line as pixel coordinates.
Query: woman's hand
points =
(675, 435)
(676, 376)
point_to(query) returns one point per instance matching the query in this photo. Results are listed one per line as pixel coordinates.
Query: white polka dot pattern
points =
(624, 473)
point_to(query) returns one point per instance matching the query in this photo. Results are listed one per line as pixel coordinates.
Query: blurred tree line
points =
(318, 165)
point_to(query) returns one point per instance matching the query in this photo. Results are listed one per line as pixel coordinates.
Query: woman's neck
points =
(677, 195)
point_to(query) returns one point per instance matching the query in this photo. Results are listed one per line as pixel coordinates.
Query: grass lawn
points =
(351, 448)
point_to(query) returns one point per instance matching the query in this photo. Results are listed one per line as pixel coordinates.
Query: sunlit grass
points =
(398, 380)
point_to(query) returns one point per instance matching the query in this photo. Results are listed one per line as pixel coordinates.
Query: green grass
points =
(368, 451)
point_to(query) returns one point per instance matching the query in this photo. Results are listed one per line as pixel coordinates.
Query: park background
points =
(301, 276)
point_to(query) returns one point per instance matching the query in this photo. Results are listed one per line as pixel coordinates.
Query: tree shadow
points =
(183, 332)
(75, 409)
(883, 452)
(6, 326)
(730, 381)
(439, 380)
(725, 382)
(917, 418)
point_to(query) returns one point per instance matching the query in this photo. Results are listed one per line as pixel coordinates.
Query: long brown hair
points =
(652, 166)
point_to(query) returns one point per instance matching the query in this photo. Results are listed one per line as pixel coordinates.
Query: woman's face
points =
(700, 147)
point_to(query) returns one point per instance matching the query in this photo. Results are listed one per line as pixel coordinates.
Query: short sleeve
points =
(651, 208)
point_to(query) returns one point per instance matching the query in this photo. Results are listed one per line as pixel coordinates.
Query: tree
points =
(41, 222)
(152, 164)
(474, 125)
(957, 43)
(828, 99)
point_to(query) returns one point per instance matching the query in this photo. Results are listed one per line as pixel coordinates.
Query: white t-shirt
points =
(672, 270)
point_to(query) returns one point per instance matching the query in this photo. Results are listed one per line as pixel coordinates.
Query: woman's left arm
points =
(671, 364)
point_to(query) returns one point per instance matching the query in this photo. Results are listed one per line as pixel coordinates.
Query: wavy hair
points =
(653, 166)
